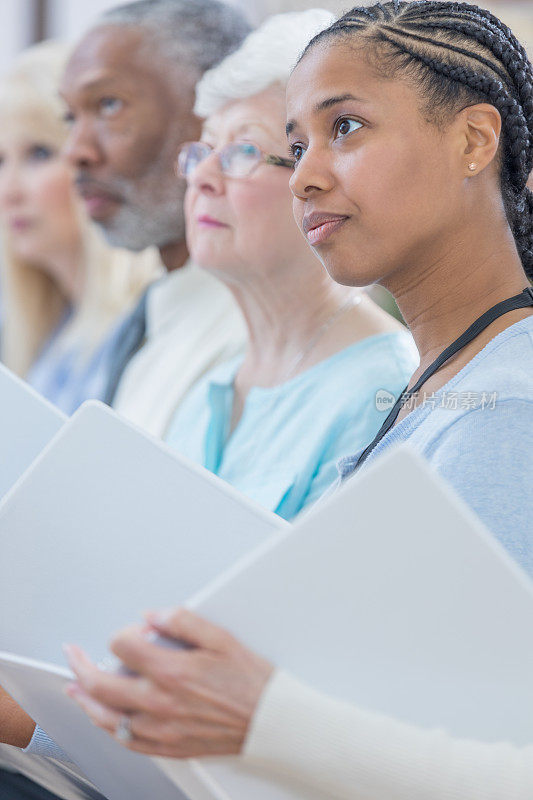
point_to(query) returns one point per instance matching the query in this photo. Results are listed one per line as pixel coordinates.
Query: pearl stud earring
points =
(472, 166)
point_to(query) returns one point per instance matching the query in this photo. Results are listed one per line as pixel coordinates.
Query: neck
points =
(443, 297)
(282, 323)
(174, 255)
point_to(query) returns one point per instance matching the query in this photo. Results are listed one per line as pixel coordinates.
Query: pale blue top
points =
(477, 432)
(284, 450)
(67, 376)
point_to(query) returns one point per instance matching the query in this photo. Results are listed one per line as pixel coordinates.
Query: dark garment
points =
(129, 340)
(14, 786)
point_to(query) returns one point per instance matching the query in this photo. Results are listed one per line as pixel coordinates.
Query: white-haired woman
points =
(63, 288)
(274, 422)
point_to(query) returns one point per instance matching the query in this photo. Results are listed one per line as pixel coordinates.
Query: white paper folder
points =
(420, 615)
(106, 523)
(27, 423)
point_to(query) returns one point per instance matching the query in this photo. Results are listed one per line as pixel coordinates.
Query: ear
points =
(481, 129)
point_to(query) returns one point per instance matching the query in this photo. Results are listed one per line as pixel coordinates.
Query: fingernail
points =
(159, 618)
(67, 649)
(73, 656)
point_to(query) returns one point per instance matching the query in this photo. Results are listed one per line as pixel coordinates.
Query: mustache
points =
(87, 185)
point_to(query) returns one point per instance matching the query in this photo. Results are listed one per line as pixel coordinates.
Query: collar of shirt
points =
(170, 295)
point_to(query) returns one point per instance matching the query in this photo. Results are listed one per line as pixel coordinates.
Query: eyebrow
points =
(332, 101)
(94, 84)
(323, 106)
(243, 128)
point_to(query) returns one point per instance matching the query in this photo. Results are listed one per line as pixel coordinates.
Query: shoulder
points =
(504, 365)
(392, 353)
(501, 421)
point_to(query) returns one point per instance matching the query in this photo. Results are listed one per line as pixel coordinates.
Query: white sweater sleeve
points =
(345, 752)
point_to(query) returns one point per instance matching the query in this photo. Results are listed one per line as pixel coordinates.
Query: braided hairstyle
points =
(459, 55)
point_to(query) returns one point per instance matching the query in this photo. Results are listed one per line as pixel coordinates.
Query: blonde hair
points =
(33, 303)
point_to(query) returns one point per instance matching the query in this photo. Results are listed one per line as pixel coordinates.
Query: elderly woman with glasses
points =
(323, 361)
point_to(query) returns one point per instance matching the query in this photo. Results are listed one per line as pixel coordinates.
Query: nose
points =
(311, 174)
(11, 185)
(83, 148)
(207, 177)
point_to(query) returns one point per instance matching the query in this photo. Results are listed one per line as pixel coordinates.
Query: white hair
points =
(193, 34)
(267, 56)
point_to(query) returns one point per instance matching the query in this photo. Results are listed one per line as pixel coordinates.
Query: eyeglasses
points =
(236, 160)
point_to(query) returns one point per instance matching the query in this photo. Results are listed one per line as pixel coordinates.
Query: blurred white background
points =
(23, 22)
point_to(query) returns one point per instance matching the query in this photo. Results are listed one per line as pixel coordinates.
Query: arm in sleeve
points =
(344, 752)
(41, 745)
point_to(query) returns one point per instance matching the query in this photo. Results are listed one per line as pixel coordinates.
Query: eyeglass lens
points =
(236, 160)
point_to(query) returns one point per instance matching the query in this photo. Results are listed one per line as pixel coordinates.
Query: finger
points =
(151, 748)
(122, 693)
(184, 747)
(149, 659)
(188, 626)
(100, 715)
(142, 726)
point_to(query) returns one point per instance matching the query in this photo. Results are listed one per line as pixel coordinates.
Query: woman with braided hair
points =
(411, 125)
(424, 176)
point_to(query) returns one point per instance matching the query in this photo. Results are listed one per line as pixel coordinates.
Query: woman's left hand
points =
(180, 703)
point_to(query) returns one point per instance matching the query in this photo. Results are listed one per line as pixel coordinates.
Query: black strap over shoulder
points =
(522, 300)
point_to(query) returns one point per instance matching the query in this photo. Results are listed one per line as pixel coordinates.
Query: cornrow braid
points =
(460, 54)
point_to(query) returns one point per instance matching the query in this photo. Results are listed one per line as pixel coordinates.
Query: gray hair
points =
(196, 34)
(266, 57)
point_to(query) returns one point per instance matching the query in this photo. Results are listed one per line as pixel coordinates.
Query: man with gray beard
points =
(129, 87)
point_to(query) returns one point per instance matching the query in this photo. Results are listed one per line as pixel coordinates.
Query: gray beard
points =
(136, 228)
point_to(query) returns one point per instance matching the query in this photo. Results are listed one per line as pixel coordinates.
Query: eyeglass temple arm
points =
(279, 161)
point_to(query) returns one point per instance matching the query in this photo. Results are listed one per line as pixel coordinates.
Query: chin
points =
(347, 271)
(210, 261)
(30, 254)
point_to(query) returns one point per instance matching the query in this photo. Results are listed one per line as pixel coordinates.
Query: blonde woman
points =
(63, 289)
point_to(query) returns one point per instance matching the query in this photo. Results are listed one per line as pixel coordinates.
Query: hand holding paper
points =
(183, 704)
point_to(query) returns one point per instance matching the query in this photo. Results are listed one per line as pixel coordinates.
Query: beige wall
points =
(518, 14)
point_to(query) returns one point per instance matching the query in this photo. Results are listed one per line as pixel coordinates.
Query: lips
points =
(99, 202)
(319, 226)
(210, 222)
(20, 224)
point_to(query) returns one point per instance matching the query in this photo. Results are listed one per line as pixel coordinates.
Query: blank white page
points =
(27, 423)
(393, 596)
(118, 773)
(107, 523)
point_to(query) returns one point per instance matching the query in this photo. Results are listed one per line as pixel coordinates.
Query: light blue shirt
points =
(284, 450)
(66, 376)
(477, 432)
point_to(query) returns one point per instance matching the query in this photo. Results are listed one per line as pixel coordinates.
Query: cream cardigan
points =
(192, 323)
(336, 750)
